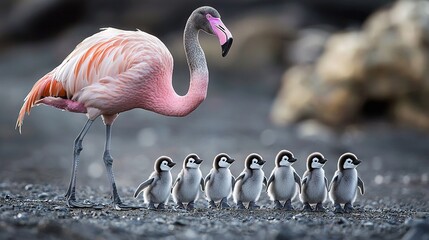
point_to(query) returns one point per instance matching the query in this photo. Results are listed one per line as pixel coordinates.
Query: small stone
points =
(297, 217)
(180, 223)
(418, 231)
(331, 214)
(342, 220)
(21, 216)
(369, 225)
(49, 227)
(190, 234)
(98, 207)
(43, 195)
(28, 187)
(60, 209)
(413, 221)
(368, 207)
(288, 232)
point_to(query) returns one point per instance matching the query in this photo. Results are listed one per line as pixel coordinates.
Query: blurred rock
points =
(342, 62)
(412, 113)
(308, 46)
(380, 70)
(296, 97)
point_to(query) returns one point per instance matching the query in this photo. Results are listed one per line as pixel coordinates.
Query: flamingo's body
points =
(111, 72)
(114, 71)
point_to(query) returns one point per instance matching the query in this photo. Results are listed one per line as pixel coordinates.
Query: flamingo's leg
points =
(71, 192)
(108, 162)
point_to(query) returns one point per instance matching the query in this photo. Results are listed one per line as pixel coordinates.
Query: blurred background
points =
(327, 75)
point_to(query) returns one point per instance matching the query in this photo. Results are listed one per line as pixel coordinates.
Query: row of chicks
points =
(282, 185)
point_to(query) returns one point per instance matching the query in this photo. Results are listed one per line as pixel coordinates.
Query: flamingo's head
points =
(209, 20)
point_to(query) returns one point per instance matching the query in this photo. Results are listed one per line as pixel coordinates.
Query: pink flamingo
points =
(115, 71)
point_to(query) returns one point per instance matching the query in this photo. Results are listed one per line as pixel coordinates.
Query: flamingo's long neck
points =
(199, 74)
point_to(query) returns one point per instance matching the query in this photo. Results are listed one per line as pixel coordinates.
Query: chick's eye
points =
(223, 159)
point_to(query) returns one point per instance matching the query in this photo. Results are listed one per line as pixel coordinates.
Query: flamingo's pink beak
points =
(222, 33)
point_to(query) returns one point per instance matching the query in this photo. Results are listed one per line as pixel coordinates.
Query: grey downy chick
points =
(283, 181)
(344, 184)
(158, 187)
(187, 184)
(314, 183)
(219, 182)
(248, 185)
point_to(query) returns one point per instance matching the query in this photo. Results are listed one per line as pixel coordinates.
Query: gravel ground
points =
(36, 166)
(39, 211)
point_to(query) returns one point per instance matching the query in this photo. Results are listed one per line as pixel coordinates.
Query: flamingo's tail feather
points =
(46, 86)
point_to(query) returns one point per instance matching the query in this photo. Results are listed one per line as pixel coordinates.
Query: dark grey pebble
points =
(7, 197)
(28, 187)
(180, 222)
(419, 231)
(297, 217)
(342, 220)
(98, 207)
(61, 209)
(21, 216)
(43, 195)
(369, 225)
(287, 233)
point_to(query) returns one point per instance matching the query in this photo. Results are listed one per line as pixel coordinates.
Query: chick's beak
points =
(171, 164)
(230, 161)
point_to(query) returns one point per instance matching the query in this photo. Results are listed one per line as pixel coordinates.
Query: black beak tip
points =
(226, 46)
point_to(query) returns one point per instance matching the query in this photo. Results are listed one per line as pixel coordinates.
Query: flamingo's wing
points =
(102, 58)
(106, 53)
